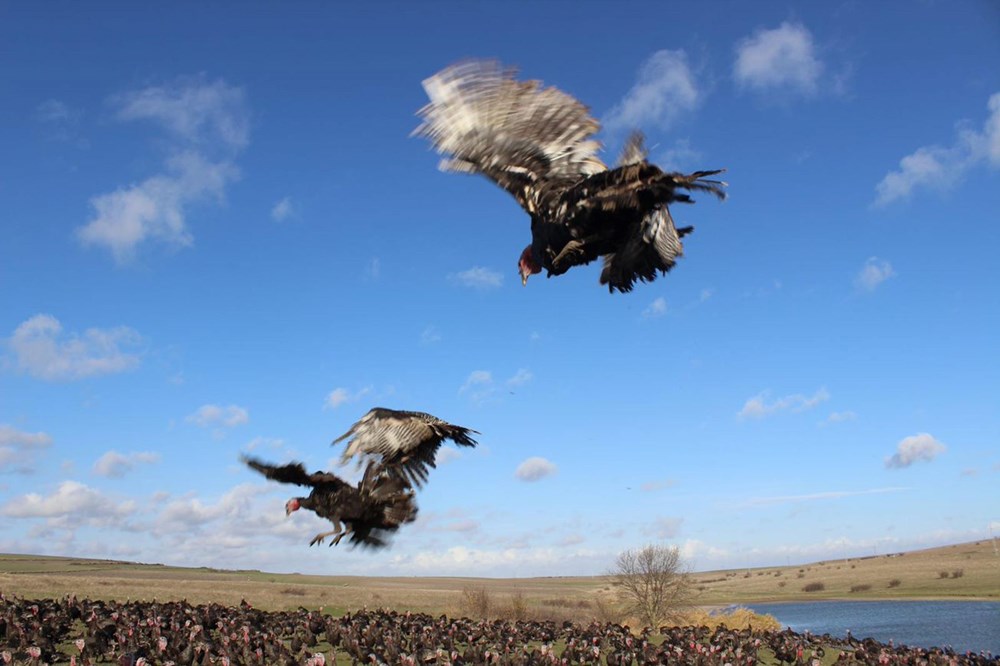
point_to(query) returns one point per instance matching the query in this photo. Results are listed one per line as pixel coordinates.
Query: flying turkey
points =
(537, 143)
(405, 442)
(379, 504)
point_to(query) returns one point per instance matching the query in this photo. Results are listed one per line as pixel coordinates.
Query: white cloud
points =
(71, 499)
(282, 210)
(216, 415)
(18, 448)
(340, 396)
(665, 88)
(430, 335)
(657, 308)
(53, 111)
(781, 58)
(653, 486)
(941, 167)
(155, 208)
(535, 469)
(915, 448)
(665, 527)
(706, 294)
(41, 350)
(374, 268)
(116, 465)
(759, 407)
(873, 273)
(478, 277)
(840, 417)
(812, 497)
(208, 124)
(192, 110)
(446, 455)
(521, 377)
(679, 157)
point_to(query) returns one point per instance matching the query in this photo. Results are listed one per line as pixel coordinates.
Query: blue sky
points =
(218, 237)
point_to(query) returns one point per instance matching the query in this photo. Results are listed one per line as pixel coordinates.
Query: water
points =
(963, 625)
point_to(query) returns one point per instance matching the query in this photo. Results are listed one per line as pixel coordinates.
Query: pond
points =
(963, 625)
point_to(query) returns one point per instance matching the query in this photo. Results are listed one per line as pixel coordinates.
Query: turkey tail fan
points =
(644, 255)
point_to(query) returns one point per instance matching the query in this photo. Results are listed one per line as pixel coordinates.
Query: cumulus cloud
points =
(208, 125)
(340, 396)
(229, 416)
(116, 465)
(759, 406)
(42, 350)
(84, 505)
(782, 58)
(913, 449)
(664, 89)
(478, 277)
(282, 210)
(942, 167)
(535, 469)
(873, 273)
(657, 308)
(18, 448)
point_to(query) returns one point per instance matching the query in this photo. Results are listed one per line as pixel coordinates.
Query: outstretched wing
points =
(527, 139)
(406, 442)
(293, 473)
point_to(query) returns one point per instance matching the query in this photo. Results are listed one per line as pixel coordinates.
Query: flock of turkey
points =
(537, 144)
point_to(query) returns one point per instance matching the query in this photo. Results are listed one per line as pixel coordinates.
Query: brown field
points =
(962, 571)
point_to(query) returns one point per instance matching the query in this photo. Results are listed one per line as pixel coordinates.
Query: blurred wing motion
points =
(406, 443)
(537, 143)
(378, 505)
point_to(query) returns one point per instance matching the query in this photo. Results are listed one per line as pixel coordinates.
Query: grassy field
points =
(962, 571)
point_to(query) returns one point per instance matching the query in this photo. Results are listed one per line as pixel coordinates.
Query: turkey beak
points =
(524, 279)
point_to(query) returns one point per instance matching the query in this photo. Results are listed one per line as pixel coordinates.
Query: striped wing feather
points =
(529, 140)
(405, 442)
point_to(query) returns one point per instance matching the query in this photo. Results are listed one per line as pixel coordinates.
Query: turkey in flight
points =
(537, 144)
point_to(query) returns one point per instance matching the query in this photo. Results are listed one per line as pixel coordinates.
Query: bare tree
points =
(653, 583)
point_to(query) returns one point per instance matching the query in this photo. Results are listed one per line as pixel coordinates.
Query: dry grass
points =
(575, 598)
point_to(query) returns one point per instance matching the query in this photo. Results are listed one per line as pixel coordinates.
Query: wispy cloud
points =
(665, 527)
(813, 497)
(520, 378)
(341, 395)
(942, 167)
(19, 448)
(478, 277)
(208, 416)
(913, 449)
(665, 89)
(783, 58)
(657, 308)
(116, 465)
(654, 486)
(430, 335)
(760, 406)
(282, 210)
(374, 268)
(840, 417)
(41, 349)
(873, 273)
(679, 157)
(535, 469)
(208, 125)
